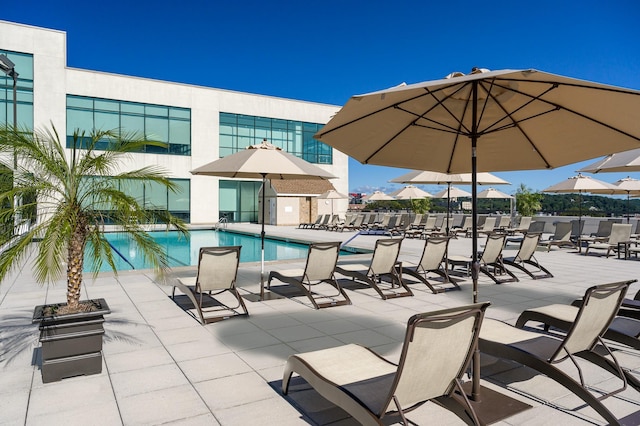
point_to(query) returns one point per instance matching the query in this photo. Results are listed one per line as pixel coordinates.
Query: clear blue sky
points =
(328, 51)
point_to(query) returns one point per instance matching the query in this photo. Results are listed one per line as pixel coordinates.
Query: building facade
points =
(198, 124)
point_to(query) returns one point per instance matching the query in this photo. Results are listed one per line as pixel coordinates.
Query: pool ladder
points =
(222, 223)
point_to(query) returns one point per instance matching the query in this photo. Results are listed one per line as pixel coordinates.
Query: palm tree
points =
(76, 193)
(527, 201)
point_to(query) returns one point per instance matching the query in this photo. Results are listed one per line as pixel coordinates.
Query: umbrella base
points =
(269, 295)
(494, 406)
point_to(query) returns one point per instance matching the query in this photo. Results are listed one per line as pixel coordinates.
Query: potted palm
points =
(55, 212)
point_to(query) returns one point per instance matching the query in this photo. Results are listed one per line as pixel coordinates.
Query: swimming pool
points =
(184, 251)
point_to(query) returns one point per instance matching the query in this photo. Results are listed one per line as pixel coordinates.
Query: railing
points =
(222, 223)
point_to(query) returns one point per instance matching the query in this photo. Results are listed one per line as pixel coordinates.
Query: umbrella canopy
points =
(493, 193)
(580, 184)
(378, 196)
(410, 192)
(263, 161)
(627, 161)
(629, 186)
(486, 121)
(332, 194)
(452, 192)
(437, 178)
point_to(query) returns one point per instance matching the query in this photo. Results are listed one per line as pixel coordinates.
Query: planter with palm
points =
(75, 192)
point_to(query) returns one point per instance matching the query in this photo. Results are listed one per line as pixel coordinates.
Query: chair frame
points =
(381, 264)
(433, 256)
(620, 232)
(397, 386)
(581, 340)
(525, 256)
(194, 289)
(309, 277)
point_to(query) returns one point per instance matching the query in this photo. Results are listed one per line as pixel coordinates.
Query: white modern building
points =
(199, 124)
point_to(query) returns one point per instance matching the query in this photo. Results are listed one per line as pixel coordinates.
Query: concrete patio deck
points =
(162, 367)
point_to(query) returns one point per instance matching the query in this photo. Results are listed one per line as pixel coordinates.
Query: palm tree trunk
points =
(75, 263)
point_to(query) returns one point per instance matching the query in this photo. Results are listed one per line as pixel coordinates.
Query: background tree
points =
(421, 205)
(527, 202)
(75, 194)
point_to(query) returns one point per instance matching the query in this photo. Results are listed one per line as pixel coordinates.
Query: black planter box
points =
(71, 343)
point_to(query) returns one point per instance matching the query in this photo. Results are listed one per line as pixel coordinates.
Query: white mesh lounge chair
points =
(561, 237)
(217, 272)
(383, 264)
(542, 352)
(466, 228)
(491, 263)
(525, 256)
(620, 232)
(432, 260)
(320, 268)
(622, 329)
(523, 226)
(504, 223)
(488, 227)
(436, 351)
(310, 224)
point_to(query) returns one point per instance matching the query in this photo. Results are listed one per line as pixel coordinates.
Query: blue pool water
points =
(184, 251)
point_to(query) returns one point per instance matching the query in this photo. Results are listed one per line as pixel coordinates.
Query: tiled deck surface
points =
(163, 367)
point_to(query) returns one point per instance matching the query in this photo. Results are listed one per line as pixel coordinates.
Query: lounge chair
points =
(620, 232)
(488, 227)
(320, 268)
(491, 259)
(348, 219)
(561, 236)
(523, 226)
(622, 329)
(383, 264)
(436, 352)
(356, 224)
(525, 256)
(217, 273)
(415, 224)
(310, 224)
(636, 232)
(467, 227)
(433, 257)
(504, 223)
(325, 220)
(577, 227)
(540, 351)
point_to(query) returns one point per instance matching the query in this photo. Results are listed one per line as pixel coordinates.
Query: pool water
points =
(183, 251)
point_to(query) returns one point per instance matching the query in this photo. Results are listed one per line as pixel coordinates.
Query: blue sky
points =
(328, 51)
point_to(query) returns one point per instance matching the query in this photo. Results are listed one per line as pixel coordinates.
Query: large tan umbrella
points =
(580, 184)
(627, 161)
(494, 193)
(486, 121)
(332, 194)
(378, 196)
(438, 178)
(263, 161)
(452, 192)
(410, 192)
(628, 186)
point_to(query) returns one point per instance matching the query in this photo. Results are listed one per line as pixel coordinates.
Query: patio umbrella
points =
(378, 196)
(332, 194)
(629, 186)
(263, 161)
(452, 192)
(627, 161)
(494, 193)
(437, 178)
(580, 184)
(410, 192)
(486, 121)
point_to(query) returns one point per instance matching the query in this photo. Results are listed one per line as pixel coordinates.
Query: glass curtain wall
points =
(171, 125)
(24, 91)
(239, 200)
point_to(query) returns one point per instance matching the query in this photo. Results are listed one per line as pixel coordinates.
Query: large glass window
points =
(171, 125)
(24, 91)
(154, 196)
(296, 137)
(239, 200)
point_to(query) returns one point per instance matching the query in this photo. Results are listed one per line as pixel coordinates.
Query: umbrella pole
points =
(628, 207)
(475, 266)
(264, 189)
(448, 205)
